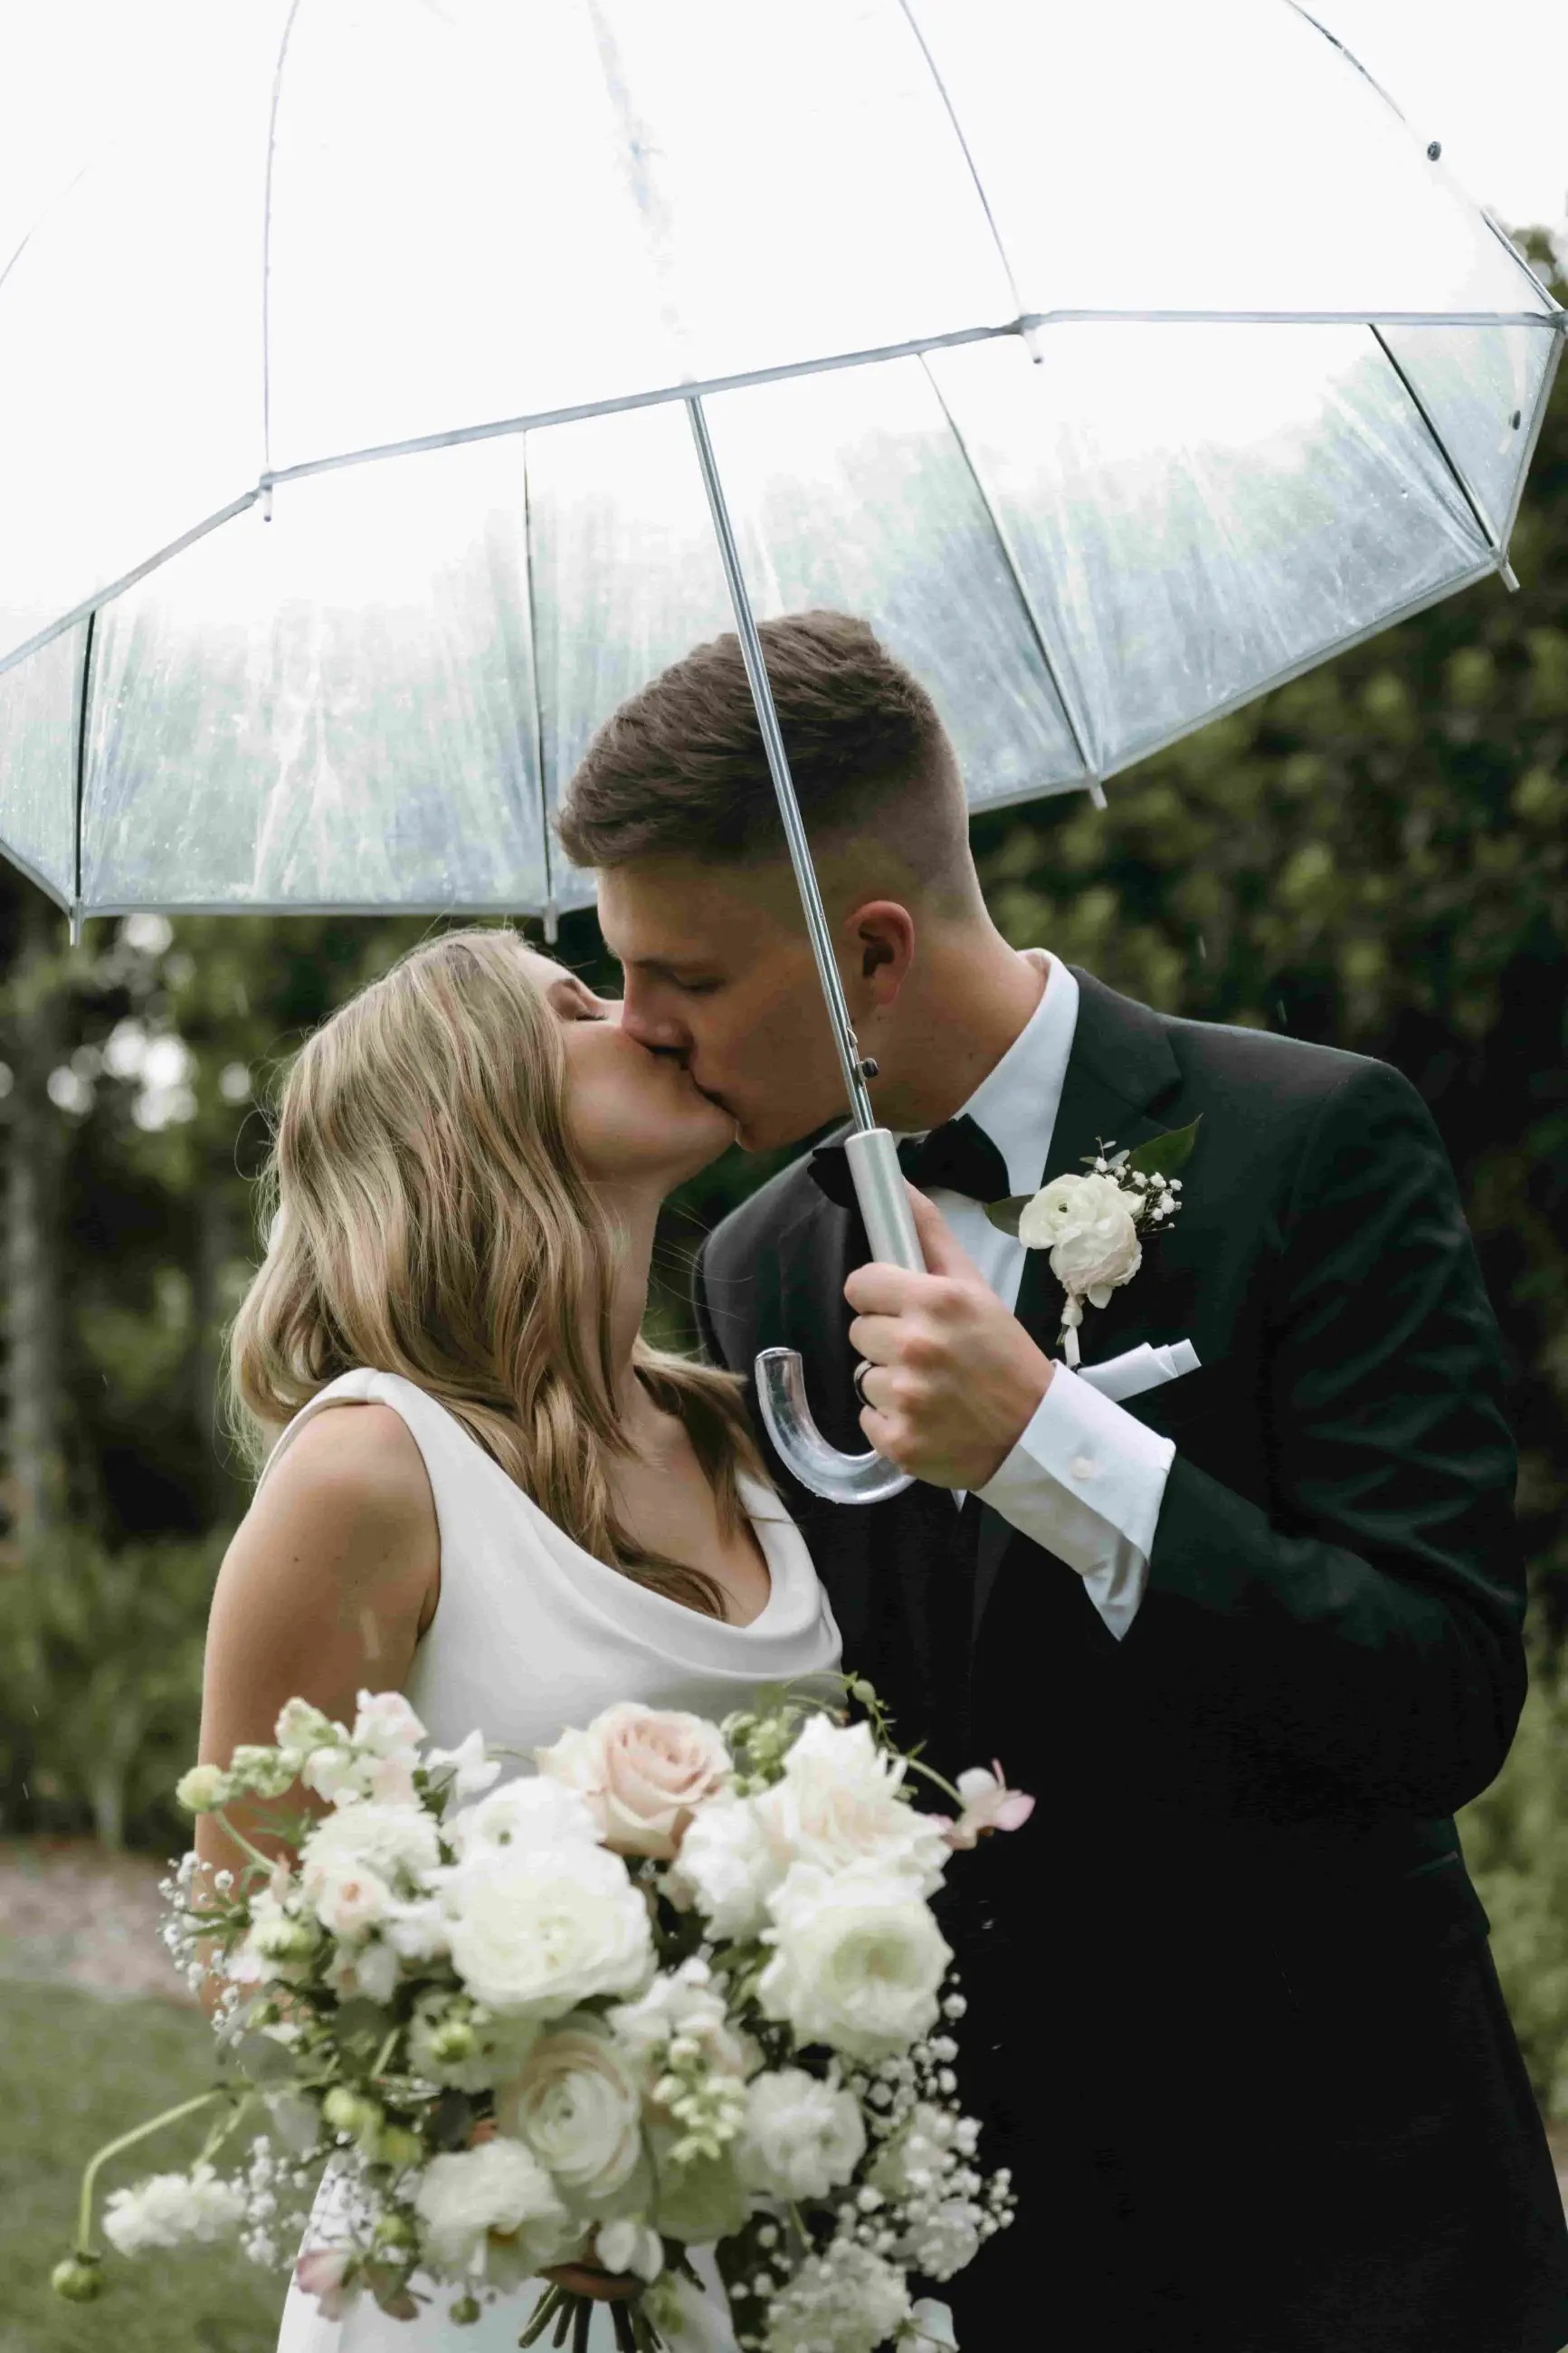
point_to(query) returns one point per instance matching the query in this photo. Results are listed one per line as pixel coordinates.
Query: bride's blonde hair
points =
(427, 1215)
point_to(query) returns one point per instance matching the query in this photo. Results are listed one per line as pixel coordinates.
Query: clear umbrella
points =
(415, 383)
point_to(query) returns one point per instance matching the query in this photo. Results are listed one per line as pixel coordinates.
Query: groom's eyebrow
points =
(667, 967)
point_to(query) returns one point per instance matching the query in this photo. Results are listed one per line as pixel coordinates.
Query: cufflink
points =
(1082, 1466)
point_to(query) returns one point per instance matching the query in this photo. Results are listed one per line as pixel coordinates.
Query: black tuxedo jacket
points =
(1233, 2019)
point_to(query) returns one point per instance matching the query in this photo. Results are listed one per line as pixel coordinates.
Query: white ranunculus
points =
(1088, 1226)
(577, 2106)
(171, 2209)
(841, 1802)
(644, 1770)
(388, 1840)
(728, 1867)
(499, 2186)
(802, 2137)
(385, 1723)
(859, 1960)
(530, 1812)
(537, 1930)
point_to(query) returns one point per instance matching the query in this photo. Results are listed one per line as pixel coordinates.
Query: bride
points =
(529, 1514)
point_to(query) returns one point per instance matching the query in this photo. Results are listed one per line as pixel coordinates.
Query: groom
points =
(1250, 1637)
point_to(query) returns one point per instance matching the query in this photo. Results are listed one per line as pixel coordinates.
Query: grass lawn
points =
(75, 2070)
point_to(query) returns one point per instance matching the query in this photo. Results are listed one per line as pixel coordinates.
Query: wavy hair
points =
(427, 1215)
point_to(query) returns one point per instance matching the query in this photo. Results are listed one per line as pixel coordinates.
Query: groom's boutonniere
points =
(1094, 1226)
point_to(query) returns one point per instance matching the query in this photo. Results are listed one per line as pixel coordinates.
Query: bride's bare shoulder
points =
(348, 1493)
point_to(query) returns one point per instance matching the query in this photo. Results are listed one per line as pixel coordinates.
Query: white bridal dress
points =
(531, 1634)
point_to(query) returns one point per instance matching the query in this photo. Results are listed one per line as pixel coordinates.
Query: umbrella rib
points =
(267, 240)
(1078, 727)
(79, 767)
(965, 149)
(1527, 454)
(1276, 679)
(916, 347)
(1477, 515)
(102, 597)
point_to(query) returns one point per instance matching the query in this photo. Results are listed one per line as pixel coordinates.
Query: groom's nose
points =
(653, 1025)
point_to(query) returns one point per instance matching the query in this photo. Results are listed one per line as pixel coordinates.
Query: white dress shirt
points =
(1086, 1478)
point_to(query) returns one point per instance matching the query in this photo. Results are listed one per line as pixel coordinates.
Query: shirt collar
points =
(1017, 1103)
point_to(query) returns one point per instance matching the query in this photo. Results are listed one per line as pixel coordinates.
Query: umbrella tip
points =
(1508, 576)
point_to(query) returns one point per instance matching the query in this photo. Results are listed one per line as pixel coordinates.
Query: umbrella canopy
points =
(1116, 364)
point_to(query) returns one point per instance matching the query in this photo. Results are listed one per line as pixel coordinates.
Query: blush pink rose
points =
(644, 1771)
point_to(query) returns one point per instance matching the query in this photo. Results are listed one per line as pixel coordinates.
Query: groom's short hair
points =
(679, 769)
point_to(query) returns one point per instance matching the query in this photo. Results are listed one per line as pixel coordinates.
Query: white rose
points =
(802, 2137)
(841, 1802)
(859, 1960)
(728, 1867)
(385, 1723)
(388, 1840)
(499, 2186)
(535, 1931)
(1088, 1226)
(645, 1771)
(531, 1813)
(578, 2108)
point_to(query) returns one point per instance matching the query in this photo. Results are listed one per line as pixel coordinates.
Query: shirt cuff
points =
(1086, 1480)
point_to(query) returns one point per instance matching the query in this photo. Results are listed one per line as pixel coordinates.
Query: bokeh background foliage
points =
(1376, 856)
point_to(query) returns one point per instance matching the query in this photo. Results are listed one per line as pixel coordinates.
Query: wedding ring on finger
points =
(860, 1372)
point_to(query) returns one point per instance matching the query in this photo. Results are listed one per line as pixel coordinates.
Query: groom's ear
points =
(882, 942)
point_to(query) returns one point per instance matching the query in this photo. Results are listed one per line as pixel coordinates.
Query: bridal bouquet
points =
(682, 1987)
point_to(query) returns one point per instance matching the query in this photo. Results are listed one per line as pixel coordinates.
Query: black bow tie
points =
(958, 1156)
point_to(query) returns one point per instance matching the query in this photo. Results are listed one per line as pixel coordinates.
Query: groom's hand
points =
(955, 1379)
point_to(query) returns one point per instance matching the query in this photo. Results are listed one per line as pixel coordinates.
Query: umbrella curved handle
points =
(837, 1478)
(821, 1468)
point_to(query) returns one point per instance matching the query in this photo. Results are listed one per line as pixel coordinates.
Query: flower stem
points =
(128, 2140)
(545, 2312)
(269, 1861)
(942, 1783)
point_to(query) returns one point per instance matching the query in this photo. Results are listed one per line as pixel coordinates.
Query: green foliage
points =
(1514, 1845)
(101, 1682)
(74, 2070)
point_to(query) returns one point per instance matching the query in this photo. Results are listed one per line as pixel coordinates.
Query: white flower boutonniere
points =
(1095, 1226)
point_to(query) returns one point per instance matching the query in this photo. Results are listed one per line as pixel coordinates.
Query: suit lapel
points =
(1121, 1070)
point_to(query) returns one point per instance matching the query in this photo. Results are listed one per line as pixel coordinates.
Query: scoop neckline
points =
(775, 1556)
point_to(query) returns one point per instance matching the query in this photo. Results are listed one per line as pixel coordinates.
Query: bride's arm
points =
(324, 1591)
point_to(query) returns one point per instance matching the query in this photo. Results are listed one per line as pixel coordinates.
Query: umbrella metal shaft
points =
(815, 913)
